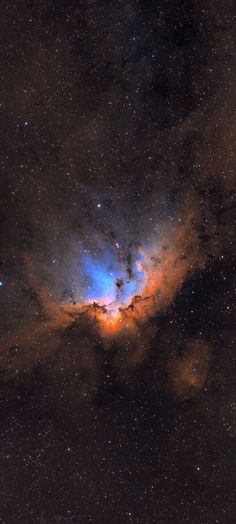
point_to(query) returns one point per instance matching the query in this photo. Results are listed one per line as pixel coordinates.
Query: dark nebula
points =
(117, 262)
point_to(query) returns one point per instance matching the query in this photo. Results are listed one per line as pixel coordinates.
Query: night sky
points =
(117, 262)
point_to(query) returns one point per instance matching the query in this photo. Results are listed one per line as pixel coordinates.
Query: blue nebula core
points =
(107, 277)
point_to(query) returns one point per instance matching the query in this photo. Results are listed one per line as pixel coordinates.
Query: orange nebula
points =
(189, 373)
(165, 267)
(164, 271)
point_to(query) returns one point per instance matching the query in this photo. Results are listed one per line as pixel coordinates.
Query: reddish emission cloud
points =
(189, 373)
(165, 271)
(165, 265)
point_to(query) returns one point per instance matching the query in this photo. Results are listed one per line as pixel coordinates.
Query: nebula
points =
(120, 288)
(117, 261)
(189, 373)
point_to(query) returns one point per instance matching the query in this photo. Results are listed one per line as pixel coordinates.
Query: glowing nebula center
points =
(110, 278)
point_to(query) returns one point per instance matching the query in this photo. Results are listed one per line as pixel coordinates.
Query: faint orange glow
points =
(190, 372)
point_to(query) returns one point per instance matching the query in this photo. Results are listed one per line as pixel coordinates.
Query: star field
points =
(117, 262)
